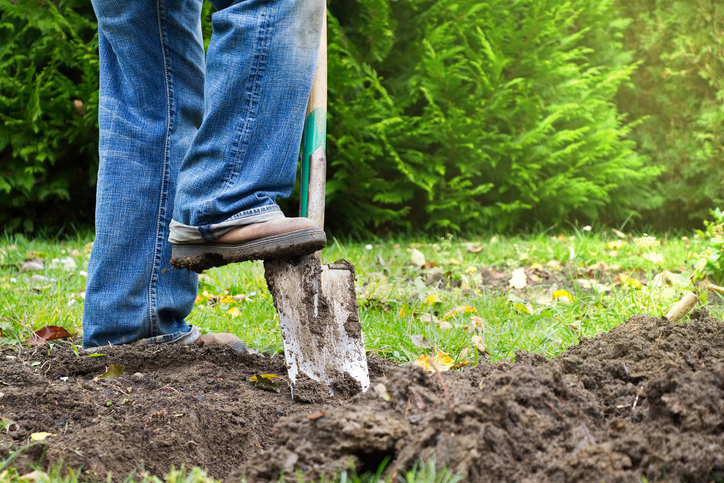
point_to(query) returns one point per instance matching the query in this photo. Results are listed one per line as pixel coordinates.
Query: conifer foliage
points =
(480, 115)
(679, 88)
(444, 115)
(48, 109)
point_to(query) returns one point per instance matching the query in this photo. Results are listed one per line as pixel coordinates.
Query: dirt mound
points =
(174, 405)
(645, 399)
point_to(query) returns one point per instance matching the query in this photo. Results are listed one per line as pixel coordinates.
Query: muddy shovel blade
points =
(319, 319)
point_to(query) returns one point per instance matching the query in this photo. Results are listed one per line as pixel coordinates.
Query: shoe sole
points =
(198, 257)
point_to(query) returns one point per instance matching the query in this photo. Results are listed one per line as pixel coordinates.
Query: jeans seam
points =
(153, 315)
(259, 68)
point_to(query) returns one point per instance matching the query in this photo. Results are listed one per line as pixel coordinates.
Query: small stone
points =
(33, 265)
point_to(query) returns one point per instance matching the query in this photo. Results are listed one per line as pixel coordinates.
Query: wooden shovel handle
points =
(314, 151)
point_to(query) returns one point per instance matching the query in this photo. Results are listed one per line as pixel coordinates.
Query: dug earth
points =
(643, 400)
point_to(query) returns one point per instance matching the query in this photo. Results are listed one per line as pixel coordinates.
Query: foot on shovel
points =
(281, 238)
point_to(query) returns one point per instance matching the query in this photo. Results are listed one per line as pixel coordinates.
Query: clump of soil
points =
(174, 405)
(645, 399)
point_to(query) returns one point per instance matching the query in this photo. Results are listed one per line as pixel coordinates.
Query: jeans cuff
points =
(180, 233)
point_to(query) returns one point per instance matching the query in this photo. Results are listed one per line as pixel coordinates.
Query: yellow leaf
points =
(460, 309)
(616, 244)
(234, 312)
(536, 266)
(206, 294)
(455, 261)
(561, 293)
(402, 311)
(424, 362)
(198, 300)
(521, 308)
(554, 265)
(433, 299)
(265, 376)
(443, 361)
(471, 269)
(477, 321)
(227, 300)
(40, 436)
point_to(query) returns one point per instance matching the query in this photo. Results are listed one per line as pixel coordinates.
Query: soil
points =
(645, 399)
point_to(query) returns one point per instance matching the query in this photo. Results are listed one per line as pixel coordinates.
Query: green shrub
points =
(680, 87)
(480, 115)
(458, 115)
(48, 111)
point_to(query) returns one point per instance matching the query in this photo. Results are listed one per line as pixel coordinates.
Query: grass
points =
(395, 300)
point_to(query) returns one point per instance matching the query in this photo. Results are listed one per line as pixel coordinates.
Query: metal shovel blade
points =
(319, 319)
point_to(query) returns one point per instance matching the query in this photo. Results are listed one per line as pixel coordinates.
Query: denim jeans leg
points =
(151, 105)
(260, 66)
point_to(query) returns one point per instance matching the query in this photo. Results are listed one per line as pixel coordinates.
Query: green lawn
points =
(395, 300)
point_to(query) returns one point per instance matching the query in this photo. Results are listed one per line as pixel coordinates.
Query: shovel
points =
(317, 303)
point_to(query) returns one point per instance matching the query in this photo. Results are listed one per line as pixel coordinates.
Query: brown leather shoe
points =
(224, 338)
(281, 238)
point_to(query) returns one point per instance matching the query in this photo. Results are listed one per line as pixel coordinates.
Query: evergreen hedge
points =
(680, 89)
(449, 115)
(48, 112)
(480, 115)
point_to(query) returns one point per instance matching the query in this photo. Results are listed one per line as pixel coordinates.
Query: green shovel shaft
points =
(314, 158)
(314, 139)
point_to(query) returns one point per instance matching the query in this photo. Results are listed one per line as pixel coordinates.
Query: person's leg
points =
(151, 104)
(260, 67)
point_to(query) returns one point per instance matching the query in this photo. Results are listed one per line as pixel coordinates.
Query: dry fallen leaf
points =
(417, 258)
(49, 332)
(477, 321)
(428, 318)
(234, 312)
(554, 265)
(114, 371)
(519, 279)
(473, 249)
(442, 362)
(480, 348)
(265, 383)
(267, 376)
(445, 325)
(460, 309)
(381, 391)
(598, 267)
(560, 295)
(40, 436)
(432, 299)
(420, 341)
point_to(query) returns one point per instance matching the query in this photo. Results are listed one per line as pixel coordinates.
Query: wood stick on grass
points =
(682, 307)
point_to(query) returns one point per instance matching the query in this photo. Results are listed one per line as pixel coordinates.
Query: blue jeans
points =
(191, 146)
